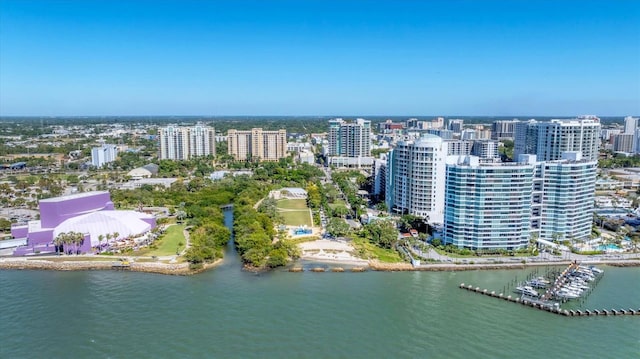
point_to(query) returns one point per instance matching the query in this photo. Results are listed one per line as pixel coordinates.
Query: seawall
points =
(147, 267)
(398, 267)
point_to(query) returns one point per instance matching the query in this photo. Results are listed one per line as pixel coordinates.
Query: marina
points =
(575, 282)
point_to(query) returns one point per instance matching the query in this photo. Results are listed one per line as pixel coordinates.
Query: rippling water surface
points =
(229, 313)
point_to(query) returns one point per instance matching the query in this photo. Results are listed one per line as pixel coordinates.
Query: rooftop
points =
(72, 196)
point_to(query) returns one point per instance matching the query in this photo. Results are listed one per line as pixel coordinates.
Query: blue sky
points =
(319, 57)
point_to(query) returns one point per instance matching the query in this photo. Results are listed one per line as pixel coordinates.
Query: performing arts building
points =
(90, 213)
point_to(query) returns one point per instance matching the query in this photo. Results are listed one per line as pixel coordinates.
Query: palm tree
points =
(116, 235)
(59, 241)
(100, 239)
(77, 239)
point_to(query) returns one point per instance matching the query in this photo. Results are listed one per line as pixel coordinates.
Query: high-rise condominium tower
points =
(184, 143)
(257, 144)
(416, 176)
(349, 139)
(548, 140)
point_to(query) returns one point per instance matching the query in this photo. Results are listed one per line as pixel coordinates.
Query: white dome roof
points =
(139, 172)
(126, 223)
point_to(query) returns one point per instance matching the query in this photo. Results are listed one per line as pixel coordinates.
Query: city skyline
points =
(220, 58)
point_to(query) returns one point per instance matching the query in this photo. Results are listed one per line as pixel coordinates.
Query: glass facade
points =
(501, 206)
(488, 207)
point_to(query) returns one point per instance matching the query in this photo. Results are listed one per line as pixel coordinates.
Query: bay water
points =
(230, 313)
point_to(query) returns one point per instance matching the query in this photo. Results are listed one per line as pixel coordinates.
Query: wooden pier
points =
(549, 307)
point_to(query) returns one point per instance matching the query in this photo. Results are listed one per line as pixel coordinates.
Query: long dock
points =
(550, 308)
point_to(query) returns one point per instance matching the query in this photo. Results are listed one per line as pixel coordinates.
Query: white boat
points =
(566, 294)
(527, 290)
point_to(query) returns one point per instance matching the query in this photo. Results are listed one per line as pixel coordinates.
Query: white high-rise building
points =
(349, 139)
(184, 143)
(568, 194)
(548, 140)
(487, 206)
(502, 206)
(415, 178)
(630, 125)
(103, 154)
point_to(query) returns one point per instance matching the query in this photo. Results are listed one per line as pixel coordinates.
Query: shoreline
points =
(407, 267)
(181, 269)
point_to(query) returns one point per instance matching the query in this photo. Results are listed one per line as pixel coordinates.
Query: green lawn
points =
(167, 245)
(338, 203)
(297, 218)
(292, 204)
(295, 212)
(367, 250)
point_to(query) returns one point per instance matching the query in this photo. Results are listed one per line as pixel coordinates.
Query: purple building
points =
(89, 213)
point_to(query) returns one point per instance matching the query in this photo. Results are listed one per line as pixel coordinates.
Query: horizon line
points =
(311, 115)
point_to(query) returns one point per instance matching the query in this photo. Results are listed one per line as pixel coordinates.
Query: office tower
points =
(103, 154)
(184, 143)
(349, 139)
(257, 145)
(415, 178)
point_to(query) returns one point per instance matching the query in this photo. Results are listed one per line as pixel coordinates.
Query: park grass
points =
(167, 245)
(337, 203)
(367, 250)
(294, 212)
(297, 218)
(292, 204)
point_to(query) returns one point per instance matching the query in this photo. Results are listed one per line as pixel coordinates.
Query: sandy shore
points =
(80, 265)
(324, 250)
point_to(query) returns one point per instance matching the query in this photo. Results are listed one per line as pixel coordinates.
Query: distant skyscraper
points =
(630, 125)
(415, 178)
(623, 143)
(459, 147)
(486, 150)
(525, 139)
(257, 144)
(548, 140)
(103, 154)
(349, 139)
(184, 143)
(456, 125)
(501, 130)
